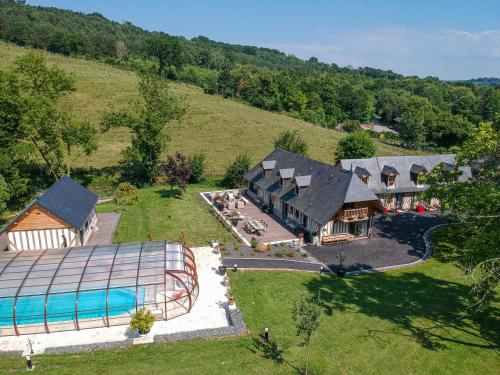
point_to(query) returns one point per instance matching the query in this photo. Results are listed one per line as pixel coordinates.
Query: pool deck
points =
(208, 312)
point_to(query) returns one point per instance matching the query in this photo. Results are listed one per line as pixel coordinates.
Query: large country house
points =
(62, 217)
(321, 198)
(396, 180)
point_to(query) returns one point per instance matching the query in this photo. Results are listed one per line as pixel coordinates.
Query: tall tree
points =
(35, 116)
(415, 121)
(306, 316)
(147, 118)
(290, 140)
(476, 204)
(78, 133)
(355, 146)
(166, 49)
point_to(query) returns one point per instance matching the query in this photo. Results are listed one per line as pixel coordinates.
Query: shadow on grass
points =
(431, 310)
(170, 193)
(270, 350)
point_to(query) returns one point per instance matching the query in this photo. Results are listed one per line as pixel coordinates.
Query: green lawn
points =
(402, 322)
(162, 213)
(222, 128)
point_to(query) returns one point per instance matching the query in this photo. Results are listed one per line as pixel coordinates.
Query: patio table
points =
(257, 226)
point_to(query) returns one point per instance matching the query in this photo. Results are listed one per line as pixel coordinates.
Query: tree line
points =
(426, 112)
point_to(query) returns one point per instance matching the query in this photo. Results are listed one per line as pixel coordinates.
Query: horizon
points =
(452, 40)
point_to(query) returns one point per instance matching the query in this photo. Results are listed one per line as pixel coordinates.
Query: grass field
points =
(162, 213)
(222, 128)
(410, 321)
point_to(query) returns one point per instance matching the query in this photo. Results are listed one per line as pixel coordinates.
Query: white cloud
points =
(447, 53)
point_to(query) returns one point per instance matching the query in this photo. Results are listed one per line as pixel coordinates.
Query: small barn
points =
(64, 216)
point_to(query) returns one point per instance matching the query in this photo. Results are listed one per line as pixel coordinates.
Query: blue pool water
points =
(61, 307)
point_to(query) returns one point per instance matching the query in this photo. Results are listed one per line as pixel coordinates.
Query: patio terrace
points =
(247, 210)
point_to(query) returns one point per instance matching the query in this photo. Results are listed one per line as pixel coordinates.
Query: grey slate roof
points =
(330, 187)
(403, 164)
(66, 199)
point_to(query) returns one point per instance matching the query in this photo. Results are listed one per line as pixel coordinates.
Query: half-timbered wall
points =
(41, 239)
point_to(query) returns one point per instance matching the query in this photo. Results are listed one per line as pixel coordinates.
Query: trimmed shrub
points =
(104, 186)
(142, 321)
(254, 242)
(126, 194)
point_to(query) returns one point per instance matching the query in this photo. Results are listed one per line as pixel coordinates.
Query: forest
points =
(428, 113)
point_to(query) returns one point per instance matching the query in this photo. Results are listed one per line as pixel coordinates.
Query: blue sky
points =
(450, 39)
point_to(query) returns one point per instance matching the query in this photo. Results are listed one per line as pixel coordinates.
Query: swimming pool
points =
(61, 307)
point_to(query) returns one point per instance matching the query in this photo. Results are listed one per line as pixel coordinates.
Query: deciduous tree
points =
(147, 118)
(355, 146)
(235, 172)
(476, 203)
(177, 171)
(290, 140)
(306, 316)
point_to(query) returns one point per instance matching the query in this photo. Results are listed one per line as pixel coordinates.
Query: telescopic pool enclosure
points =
(94, 286)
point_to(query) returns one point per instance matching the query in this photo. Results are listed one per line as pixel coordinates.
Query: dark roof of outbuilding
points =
(403, 164)
(66, 199)
(330, 187)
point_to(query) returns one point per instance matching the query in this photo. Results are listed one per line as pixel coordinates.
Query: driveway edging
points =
(427, 255)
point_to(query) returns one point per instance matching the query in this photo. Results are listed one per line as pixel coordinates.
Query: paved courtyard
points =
(395, 242)
(208, 312)
(276, 231)
(106, 226)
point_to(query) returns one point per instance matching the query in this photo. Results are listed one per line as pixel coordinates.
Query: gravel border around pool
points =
(237, 327)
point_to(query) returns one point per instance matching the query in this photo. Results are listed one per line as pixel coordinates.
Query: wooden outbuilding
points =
(64, 216)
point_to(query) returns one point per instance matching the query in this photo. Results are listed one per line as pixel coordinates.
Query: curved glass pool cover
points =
(94, 286)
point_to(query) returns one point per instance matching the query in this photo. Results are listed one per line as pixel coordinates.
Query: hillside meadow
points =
(221, 127)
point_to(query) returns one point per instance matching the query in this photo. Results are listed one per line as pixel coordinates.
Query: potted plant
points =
(142, 321)
(341, 269)
(261, 248)
(230, 299)
(234, 217)
(222, 269)
(254, 242)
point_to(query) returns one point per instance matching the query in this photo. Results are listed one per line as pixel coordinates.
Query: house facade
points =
(321, 198)
(397, 180)
(64, 216)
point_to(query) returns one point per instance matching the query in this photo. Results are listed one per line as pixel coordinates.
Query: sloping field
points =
(222, 128)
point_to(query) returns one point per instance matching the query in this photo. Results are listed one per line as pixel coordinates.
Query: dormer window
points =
(286, 175)
(417, 172)
(267, 166)
(363, 174)
(301, 183)
(389, 175)
(450, 168)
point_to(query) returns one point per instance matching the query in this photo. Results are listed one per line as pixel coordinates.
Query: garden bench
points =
(336, 238)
